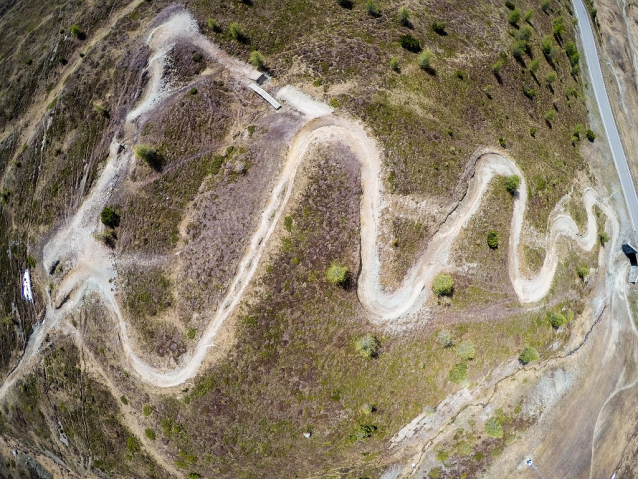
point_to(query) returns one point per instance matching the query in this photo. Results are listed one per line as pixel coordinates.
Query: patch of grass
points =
(147, 410)
(493, 428)
(582, 272)
(192, 332)
(445, 338)
(458, 373)
(466, 350)
(257, 59)
(149, 433)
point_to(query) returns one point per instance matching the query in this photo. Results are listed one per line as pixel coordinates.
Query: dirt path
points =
(91, 265)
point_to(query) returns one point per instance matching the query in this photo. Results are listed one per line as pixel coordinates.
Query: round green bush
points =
(528, 355)
(443, 285)
(425, 59)
(337, 274)
(110, 217)
(557, 320)
(493, 428)
(147, 409)
(410, 43)
(149, 155)
(257, 60)
(150, 434)
(466, 350)
(492, 239)
(512, 183)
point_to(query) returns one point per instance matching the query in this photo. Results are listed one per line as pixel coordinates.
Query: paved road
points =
(600, 92)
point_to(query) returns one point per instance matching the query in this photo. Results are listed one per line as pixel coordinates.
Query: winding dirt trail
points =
(91, 265)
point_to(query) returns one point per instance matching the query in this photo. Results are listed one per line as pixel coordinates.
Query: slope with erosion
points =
(217, 391)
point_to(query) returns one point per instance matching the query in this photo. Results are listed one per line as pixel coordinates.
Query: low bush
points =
(493, 428)
(425, 59)
(213, 25)
(510, 5)
(403, 15)
(529, 14)
(603, 238)
(550, 78)
(132, 445)
(558, 26)
(147, 409)
(466, 350)
(124, 400)
(76, 31)
(394, 64)
(149, 155)
(439, 28)
(492, 239)
(549, 116)
(528, 355)
(443, 285)
(150, 434)
(514, 16)
(257, 60)
(496, 68)
(237, 32)
(582, 271)
(512, 183)
(534, 65)
(337, 274)
(545, 4)
(445, 338)
(191, 333)
(372, 8)
(547, 44)
(591, 136)
(367, 346)
(529, 92)
(458, 373)
(524, 33)
(410, 43)
(109, 217)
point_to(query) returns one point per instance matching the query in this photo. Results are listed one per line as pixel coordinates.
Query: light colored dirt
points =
(90, 265)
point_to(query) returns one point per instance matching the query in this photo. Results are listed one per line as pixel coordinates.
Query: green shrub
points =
(492, 239)
(603, 238)
(514, 16)
(147, 409)
(443, 285)
(528, 92)
(193, 475)
(363, 431)
(394, 64)
(193, 91)
(191, 333)
(550, 78)
(132, 445)
(557, 320)
(425, 59)
(524, 33)
(337, 274)
(529, 14)
(502, 141)
(367, 346)
(512, 183)
(549, 116)
(466, 350)
(534, 64)
(367, 408)
(545, 5)
(558, 26)
(236, 32)
(519, 48)
(76, 31)
(213, 25)
(493, 428)
(403, 15)
(149, 155)
(109, 217)
(582, 271)
(496, 68)
(197, 57)
(547, 44)
(439, 28)
(510, 5)
(532, 132)
(528, 355)
(445, 338)
(124, 400)
(150, 434)
(577, 130)
(435, 473)
(372, 8)
(591, 136)
(458, 373)
(410, 43)
(257, 60)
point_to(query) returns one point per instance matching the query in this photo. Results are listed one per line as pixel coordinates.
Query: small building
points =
(631, 251)
(257, 76)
